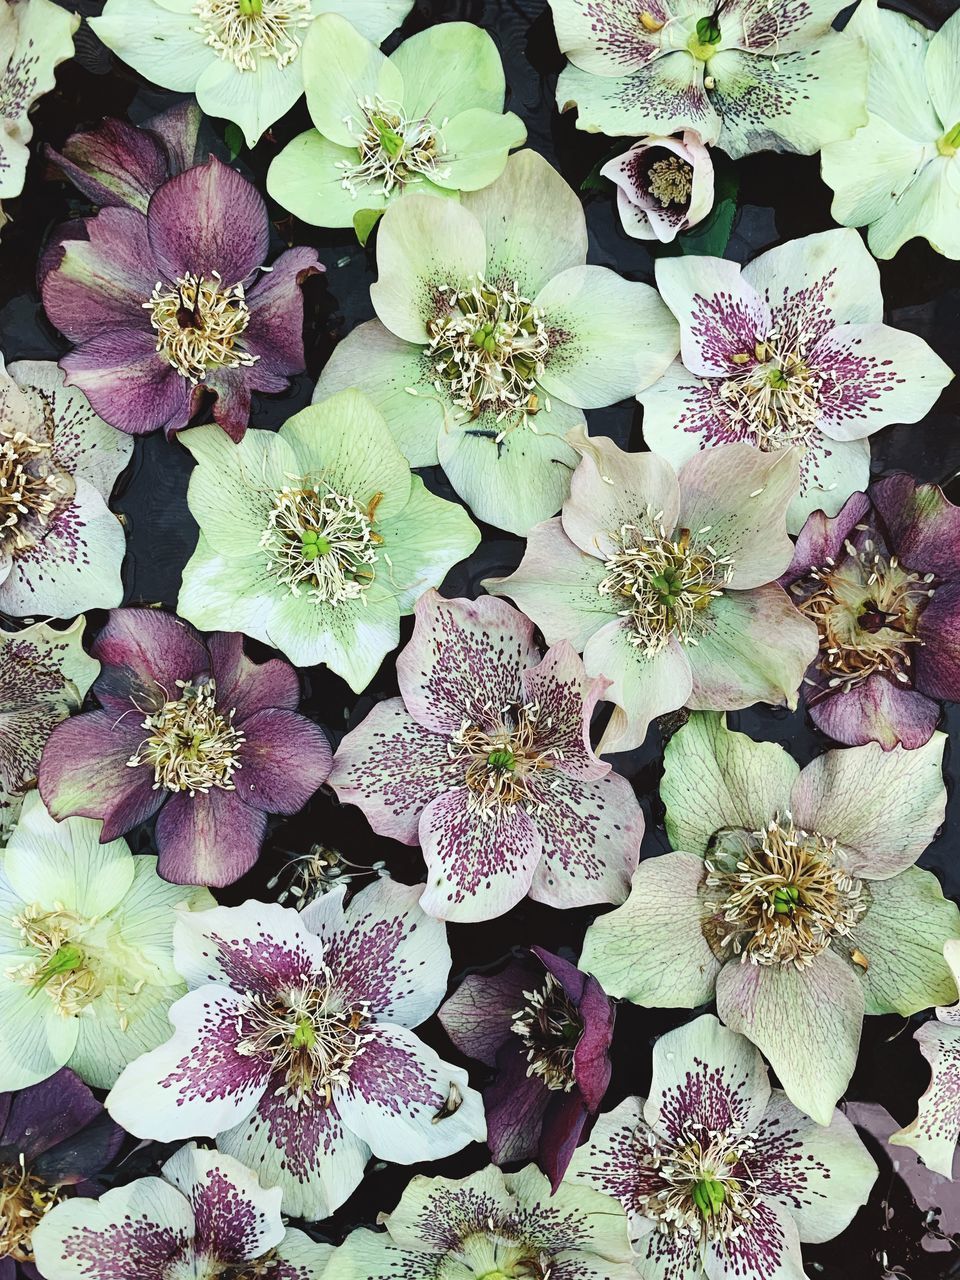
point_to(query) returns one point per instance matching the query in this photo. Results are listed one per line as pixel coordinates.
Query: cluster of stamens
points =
(670, 180)
(63, 967)
(242, 31)
(24, 1199)
(322, 541)
(198, 322)
(550, 1028)
(392, 148)
(190, 745)
(773, 398)
(501, 763)
(701, 1185)
(497, 1254)
(31, 486)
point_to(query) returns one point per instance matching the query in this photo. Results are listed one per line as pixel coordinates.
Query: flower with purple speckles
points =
(547, 1030)
(664, 185)
(793, 899)
(720, 1175)
(666, 581)
(207, 1216)
(789, 351)
(193, 731)
(294, 1048)
(485, 761)
(750, 75)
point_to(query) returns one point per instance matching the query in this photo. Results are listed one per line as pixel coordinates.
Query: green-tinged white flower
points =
(316, 539)
(86, 951)
(427, 119)
(900, 176)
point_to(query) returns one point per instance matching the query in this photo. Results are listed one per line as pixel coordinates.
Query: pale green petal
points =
(112, 1038)
(374, 19)
(840, 468)
(371, 1254)
(851, 278)
(934, 1133)
(898, 90)
(309, 1257)
(420, 547)
(35, 1041)
(236, 594)
(341, 68)
(643, 684)
(147, 915)
(928, 208)
(870, 175)
(666, 96)
(941, 67)
(422, 1197)
(448, 68)
(477, 145)
(601, 1225)
(254, 100)
(307, 178)
(159, 43)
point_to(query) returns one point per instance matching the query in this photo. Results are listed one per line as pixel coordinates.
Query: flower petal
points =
(256, 947)
(566, 698)
(515, 1104)
(128, 384)
(114, 164)
(643, 684)
(768, 1248)
(275, 332)
(477, 143)
(665, 96)
(873, 710)
(285, 758)
(449, 68)
(605, 38)
(721, 314)
(342, 68)
(478, 1016)
(236, 1219)
(144, 654)
(156, 40)
(209, 838)
(423, 544)
(308, 177)
(246, 687)
(936, 1130)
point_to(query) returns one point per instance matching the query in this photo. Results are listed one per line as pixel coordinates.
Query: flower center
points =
(501, 764)
(322, 541)
(31, 487)
(392, 148)
(66, 964)
(242, 31)
(550, 1028)
(495, 1255)
(190, 746)
(671, 180)
(949, 144)
(700, 1186)
(774, 396)
(198, 323)
(24, 1199)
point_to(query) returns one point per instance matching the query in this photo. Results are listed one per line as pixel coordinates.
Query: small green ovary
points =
(709, 1195)
(785, 899)
(391, 141)
(777, 379)
(66, 959)
(949, 144)
(251, 8)
(314, 544)
(502, 759)
(305, 1036)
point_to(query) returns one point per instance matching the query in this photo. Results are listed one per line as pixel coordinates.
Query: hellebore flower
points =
(427, 119)
(666, 581)
(54, 1136)
(751, 77)
(900, 176)
(207, 1216)
(191, 728)
(166, 305)
(485, 761)
(789, 351)
(494, 336)
(493, 1226)
(721, 1175)
(664, 185)
(547, 1030)
(86, 944)
(293, 1046)
(316, 539)
(242, 58)
(795, 899)
(882, 583)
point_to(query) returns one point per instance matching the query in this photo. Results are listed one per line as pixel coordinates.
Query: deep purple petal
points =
(102, 282)
(919, 523)
(874, 710)
(822, 537)
(275, 332)
(937, 658)
(77, 1159)
(47, 1113)
(116, 164)
(231, 408)
(516, 1104)
(562, 1129)
(284, 759)
(127, 383)
(479, 1015)
(144, 654)
(179, 130)
(208, 839)
(247, 687)
(591, 1058)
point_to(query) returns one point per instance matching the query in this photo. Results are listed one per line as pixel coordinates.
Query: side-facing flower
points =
(493, 337)
(720, 1175)
(206, 1217)
(427, 119)
(192, 729)
(316, 539)
(86, 947)
(166, 305)
(794, 899)
(546, 1028)
(293, 1046)
(666, 581)
(664, 185)
(789, 351)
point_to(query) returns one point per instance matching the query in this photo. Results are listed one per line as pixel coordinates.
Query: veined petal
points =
(449, 68)
(307, 177)
(818, 282)
(299, 1257)
(936, 1130)
(246, 687)
(423, 544)
(35, 1041)
(940, 68)
(341, 69)
(606, 38)
(128, 384)
(873, 710)
(665, 96)
(237, 1220)
(285, 757)
(477, 1016)
(565, 698)
(477, 144)
(144, 653)
(371, 1254)
(209, 838)
(159, 42)
(643, 684)
(923, 525)
(608, 1162)
(258, 947)
(252, 101)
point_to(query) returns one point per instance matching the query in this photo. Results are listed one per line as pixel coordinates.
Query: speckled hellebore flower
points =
(493, 336)
(206, 1217)
(666, 581)
(294, 1044)
(747, 75)
(316, 539)
(546, 1028)
(86, 946)
(485, 761)
(192, 729)
(166, 305)
(242, 58)
(427, 119)
(720, 1175)
(789, 351)
(793, 898)
(664, 185)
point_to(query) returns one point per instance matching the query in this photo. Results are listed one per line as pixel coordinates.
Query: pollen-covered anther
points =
(550, 1028)
(772, 393)
(31, 487)
(393, 148)
(198, 321)
(670, 180)
(243, 31)
(24, 1199)
(190, 745)
(501, 762)
(323, 542)
(700, 1185)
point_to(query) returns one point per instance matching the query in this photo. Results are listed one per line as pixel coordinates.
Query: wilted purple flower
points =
(664, 185)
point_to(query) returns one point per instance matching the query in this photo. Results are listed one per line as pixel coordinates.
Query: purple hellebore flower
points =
(664, 185)
(547, 1029)
(195, 727)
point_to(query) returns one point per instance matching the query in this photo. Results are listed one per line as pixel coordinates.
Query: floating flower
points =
(795, 900)
(547, 1030)
(664, 185)
(166, 305)
(86, 944)
(789, 351)
(386, 127)
(191, 729)
(207, 1216)
(242, 58)
(665, 581)
(719, 1174)
(494, 336)
(751, 77)
(316, 538)
(293, 1045)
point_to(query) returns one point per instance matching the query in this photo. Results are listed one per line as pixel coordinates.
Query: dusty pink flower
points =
(664, 185)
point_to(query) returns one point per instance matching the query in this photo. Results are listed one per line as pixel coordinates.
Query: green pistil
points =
(708, 1196)
(703, 42)
(251, 8)
(390, 140)
(484, 337)
(669, 586)
(313, 544)
(785, 899)
(305, 1037)
(777, 379)
(949, 144)
(502, 759)
(66, 959)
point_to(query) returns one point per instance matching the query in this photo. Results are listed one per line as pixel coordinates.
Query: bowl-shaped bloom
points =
(207, 1216)
(494, 336)
(721, 1175)
(747, 76)
(546, 1028)
(492, 1225)
(900, 176)
(427, 119)
(882, 582)
(86, 951)
(664, 185)
(191, 729)
(666, 581)
(794, 899)
(485, 761)
(166, 305)
(242, 58)
(293, 1046)
(316, 538)
(789, 351)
